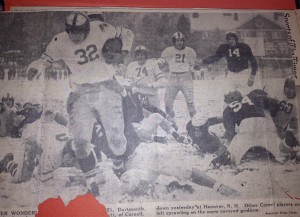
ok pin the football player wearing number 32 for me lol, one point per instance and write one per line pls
(90, 50)
(180, 58)
(238, 56)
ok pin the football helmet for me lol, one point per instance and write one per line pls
(177, 35)
(232, 34)
(199, 120)
(113, 45)
(141, 49)
(77, 22)
(9, 101)
(232, 96)
(112, 50)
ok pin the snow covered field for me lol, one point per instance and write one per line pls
(254, 179)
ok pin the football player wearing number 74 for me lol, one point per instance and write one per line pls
(180, 58)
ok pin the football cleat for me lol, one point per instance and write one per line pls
(174, 185)
(222, 160)
(179, 138)
(93, 189)
(227, 191)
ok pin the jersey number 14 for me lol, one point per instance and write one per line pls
(235, 52)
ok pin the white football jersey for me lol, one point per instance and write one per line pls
(150, 69)
(85, 60)
(179, 60)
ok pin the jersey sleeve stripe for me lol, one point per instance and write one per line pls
(159, 75)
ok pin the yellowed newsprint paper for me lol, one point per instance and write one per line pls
(151, 112)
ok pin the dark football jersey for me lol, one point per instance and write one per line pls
(207, 142)
(238, 57)
(237, 111)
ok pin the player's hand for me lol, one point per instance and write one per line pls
(32, 71)
(163, 65)
(199, 62)
(251, 81)
(134, 89)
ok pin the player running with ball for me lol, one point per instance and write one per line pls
(94, 91)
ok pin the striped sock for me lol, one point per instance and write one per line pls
(12, 168)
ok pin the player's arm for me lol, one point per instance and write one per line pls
(193, 60)
(229, 125)
(213, 121)
(166, 54)
(253, 64)
(161, 66)
(127, 37)
(272, 105)
(220, 53)
(153, 109)
(38, 67)
(252, 61)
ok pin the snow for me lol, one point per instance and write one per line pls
(163, 163)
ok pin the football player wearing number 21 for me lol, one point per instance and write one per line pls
(181, 59)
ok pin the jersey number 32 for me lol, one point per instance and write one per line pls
(86, 55)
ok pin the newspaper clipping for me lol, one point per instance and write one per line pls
(152, 112)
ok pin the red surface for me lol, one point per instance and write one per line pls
(229, 4)
(81, 206)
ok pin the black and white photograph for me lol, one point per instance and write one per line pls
(147, 106)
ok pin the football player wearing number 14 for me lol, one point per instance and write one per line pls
(238, 56)
(180, 58)
(91, 50)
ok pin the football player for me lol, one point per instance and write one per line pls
(238, 55)
(254, 129)
(204, 140)
(143, 171)
(148, 70)
(180, 59)
(16, 136)
(138, 128)
(90, 50)
(49, 151)
(282, 109)
(286, 117)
